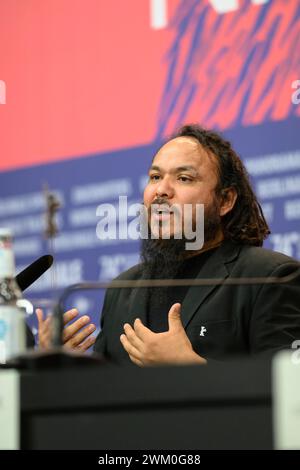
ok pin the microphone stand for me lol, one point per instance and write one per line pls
(125, 284)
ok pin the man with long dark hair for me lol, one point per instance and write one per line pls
(180, 324)
(190, 324)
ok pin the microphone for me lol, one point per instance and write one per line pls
(30, 274)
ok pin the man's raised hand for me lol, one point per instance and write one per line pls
(145, 347)
(76, 336)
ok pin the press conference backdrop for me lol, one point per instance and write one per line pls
(89, 89)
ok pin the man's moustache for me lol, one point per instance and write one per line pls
(162, 205)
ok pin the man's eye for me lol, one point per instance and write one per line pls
(154, 177)
(185, 179)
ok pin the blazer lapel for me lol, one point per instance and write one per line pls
(215, 268)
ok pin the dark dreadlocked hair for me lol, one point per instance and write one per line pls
(245, 223)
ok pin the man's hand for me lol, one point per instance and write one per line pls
(76, 336)
(172, 347)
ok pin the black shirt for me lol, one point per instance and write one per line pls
(161, 299)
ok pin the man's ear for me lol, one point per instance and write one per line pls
(228, 198)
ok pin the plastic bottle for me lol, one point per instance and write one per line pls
(12, 317)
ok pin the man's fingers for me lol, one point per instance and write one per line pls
(72, 329)
(77, 335)
(141, 330)
(40, 315)
(174, 317)
(72, 337)
(45, 340)
(136, 361)
(132, 336)
(70, 315)
(67, 317)
(85, 345)
(44, 336)
(129, 348)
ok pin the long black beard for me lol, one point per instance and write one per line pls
(162, 258)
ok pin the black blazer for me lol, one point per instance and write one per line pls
(221, 321)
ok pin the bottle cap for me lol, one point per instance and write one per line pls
(6, 232)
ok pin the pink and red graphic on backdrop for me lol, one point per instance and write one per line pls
(84, 77)
(231, 69)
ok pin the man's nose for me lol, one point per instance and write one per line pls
(164, 188)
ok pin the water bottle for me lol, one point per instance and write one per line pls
(12, 317)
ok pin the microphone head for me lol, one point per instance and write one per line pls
(30, 274)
